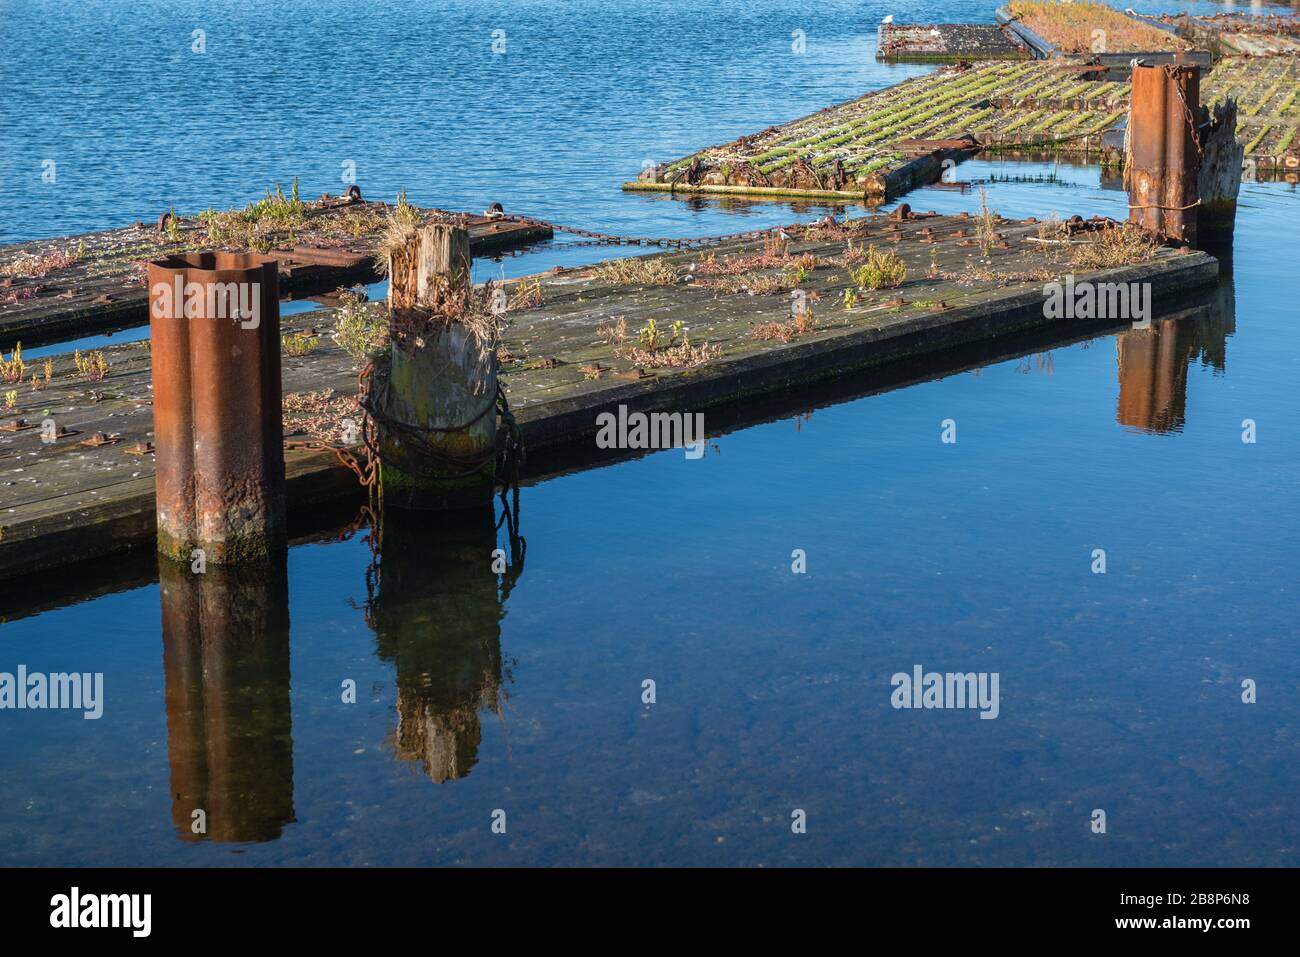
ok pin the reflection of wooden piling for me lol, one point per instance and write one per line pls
(1162, 162)
(226, 662)
(216, 406)
(438, 436)
(437, 618)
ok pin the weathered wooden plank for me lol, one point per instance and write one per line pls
(77, 285)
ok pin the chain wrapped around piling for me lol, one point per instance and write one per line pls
(428, 458)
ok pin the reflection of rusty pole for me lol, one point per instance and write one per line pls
(1153, 378)
(215, 326)
(226, 661)
(1163, 156)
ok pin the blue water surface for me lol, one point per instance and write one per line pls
(522, 693)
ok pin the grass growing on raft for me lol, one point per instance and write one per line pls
(636, 271)
(1119, 245)
(880, 270)
(798, 325)
(361, 328)
(1069, 27)
(296, 344)
(260, 226)
(12, 369)
(92, 367)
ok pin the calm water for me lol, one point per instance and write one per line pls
(522, 692)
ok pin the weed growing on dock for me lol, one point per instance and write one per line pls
(1070, 27)
(11, 400)
(320, 414)
(754, 283)
(678, 356)
(986, 226)
(30, 266)
(40, 385)
(637, 271)
(657, 349)
(297, 344)
(879, 270)
(852, 255)
(775, 254)
(92, 367)
(173, 232)
(361, 329)
(613, 334)
(404, 214)
(527, 296)
(850, 298)
(260, 226)
(11, 369)
(797, 326)
(650, 337)
(1122, 244)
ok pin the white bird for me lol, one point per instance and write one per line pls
(888, 19)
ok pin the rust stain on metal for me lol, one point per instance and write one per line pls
(1164, 153)
(215, 328)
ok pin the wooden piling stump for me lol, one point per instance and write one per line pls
(1219, 178)
(437, 421)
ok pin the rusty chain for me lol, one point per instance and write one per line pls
(1188, 113)
(600, 238)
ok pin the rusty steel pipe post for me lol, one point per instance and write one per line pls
(1163, 153)
(215, 328)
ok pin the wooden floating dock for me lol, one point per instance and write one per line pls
(1053, 30)
(77, 285)
(599, 338)
(948, 42)
(883, 144)
(1230, 34)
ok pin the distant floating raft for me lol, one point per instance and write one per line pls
(1230, 34)
(948, 42)
(874, 148)
(881, 145)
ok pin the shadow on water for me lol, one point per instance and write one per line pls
(437, 599)
(229, 723)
